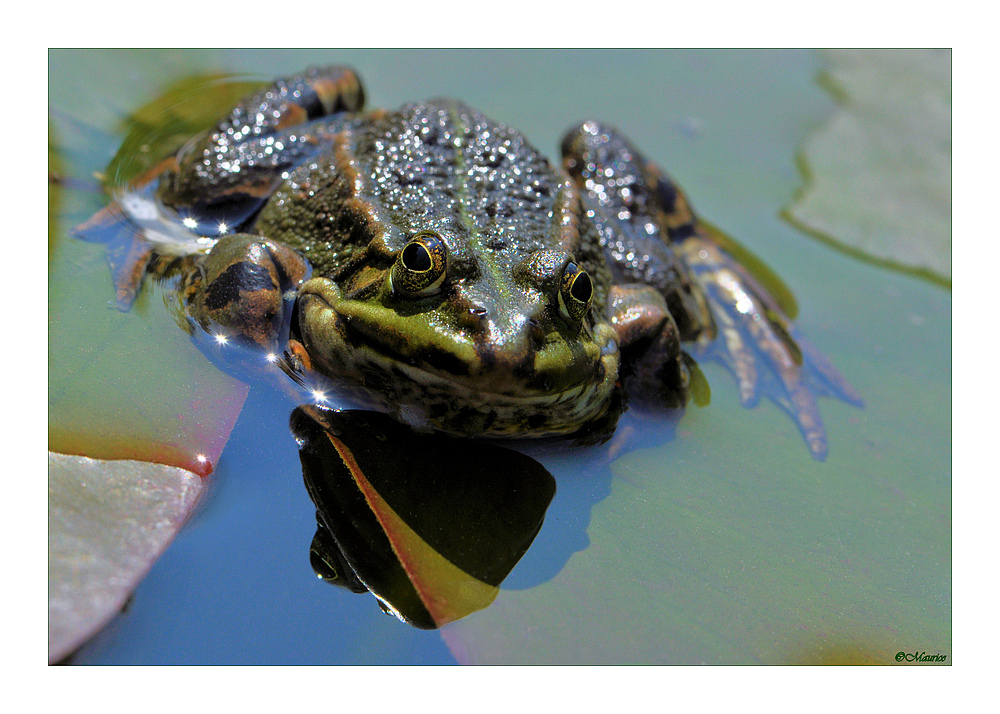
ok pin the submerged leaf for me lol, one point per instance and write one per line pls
(160, 127)
(878, 174)
(129, 385)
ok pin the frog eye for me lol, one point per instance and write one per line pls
(576, 290)
(421, 266)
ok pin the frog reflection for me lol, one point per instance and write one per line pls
(429, 524)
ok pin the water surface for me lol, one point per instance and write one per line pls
(716, 539)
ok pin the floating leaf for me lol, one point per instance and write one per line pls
(126, 385)
(108, 522)
(131, 385)
(878, 174)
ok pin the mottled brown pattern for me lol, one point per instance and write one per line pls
(524, 283)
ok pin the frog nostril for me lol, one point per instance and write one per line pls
(536, 332)
(474, 318)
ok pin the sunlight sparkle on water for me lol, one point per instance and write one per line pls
(318, 396)
(744, 303)
(189, 222)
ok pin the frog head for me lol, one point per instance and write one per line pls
(463, 338)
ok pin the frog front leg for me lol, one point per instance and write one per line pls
(220, 178)
(243, 292)
(653, 368)
(651, 234)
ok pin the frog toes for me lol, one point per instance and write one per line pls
(759, 345)
(740, 360)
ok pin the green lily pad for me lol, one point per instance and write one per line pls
(122, 385)
(878, 173)
(747, 566)
(129, 385)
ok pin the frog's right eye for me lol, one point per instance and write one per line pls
(576, 292)
(421, 266)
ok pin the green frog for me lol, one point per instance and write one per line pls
(436, 266)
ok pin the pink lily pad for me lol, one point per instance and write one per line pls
(108, 523)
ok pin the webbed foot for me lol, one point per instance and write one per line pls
(759, 344)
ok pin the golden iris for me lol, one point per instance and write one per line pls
(421, 265)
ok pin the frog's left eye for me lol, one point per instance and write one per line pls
(576, 291)
(421, 266)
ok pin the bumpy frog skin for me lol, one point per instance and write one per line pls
(436, 264)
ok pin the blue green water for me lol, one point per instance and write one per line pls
(716, 540)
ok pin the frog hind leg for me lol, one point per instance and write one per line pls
(726, 313)
(242, 293)
(612, 179)
(219, 179)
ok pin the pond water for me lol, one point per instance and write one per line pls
(715, 538)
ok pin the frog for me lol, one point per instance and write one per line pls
(437, 267)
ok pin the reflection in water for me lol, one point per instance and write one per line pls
(430, 525)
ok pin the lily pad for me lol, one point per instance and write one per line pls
(878, 173)
(108, 523)
(161, 126)
(712, 539)
(159, 399)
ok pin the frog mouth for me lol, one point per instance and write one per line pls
(368, 342)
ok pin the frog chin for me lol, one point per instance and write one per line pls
(429, 401)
